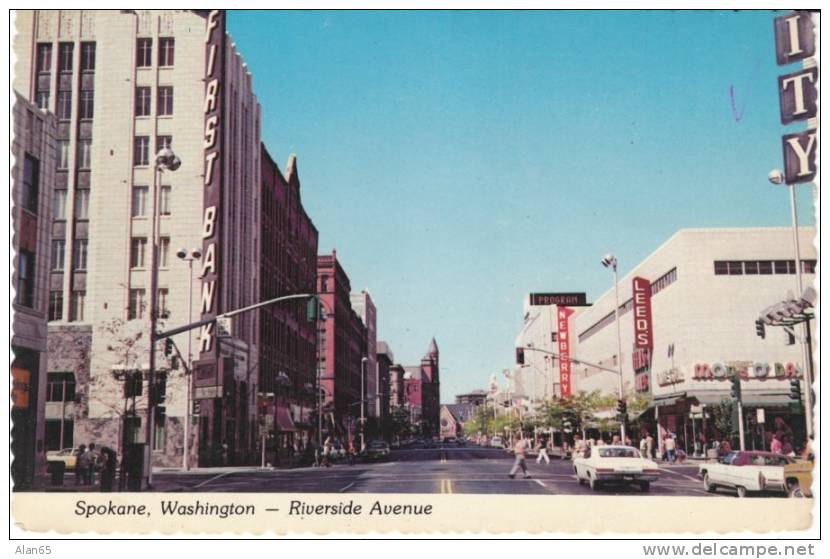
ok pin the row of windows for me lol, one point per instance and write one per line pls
(81, 204)
(139, 252)
(66, 52)
(60, 387)
(86, 104)
(164, 101)
(141, 200)
(76, 305)
(84, 159)
(144, 52)
(761, 267)
(138, 308)
(141, 148)
(79, 254)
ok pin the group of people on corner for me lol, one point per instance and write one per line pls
(91, 463)
(324, 457)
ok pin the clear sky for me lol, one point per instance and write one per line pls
(460, 160)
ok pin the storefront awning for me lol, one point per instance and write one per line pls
(766, 399)
(714, 397)
(667, 399)
(284, 421)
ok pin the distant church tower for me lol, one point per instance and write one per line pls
(431, 390)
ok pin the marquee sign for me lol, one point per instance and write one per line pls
(561, 299)
(213, 109)
(745, 370)
(562, 316)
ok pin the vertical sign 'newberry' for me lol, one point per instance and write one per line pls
(564, 344)
(643, 337)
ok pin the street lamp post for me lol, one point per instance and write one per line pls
(610, 261)
(777, 177)
(363, 362)
(166, 160)
(188, 257)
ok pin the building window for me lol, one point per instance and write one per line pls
(784, 266)
(163, 294)
(164, 252)
(166, 51)
(64, 108)
(58, 254)
(42, 100)
(79, 254)
(138, 251)
(55, 305)
(164, 200)
(141, 151)
(84, 154)
(735, 268)
(144, 53)
(165, 101)
(808, 266)
(31, 183)
(58, 434)
(44, 57)
(137, 304)
(82, 204)
(59, 205)
(76, 307)
(25, 278)
(765, 267)
(140, 201)
(65, 52)
(63, 154)
(86, 104)
(142, 101)
(720, 268)
(60, 387)
(751, 267)
(87, 57)
(163, 142)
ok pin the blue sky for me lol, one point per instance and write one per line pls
(460, 160)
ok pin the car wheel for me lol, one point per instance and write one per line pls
(708, 485)
(593, 483)
(645, 486)
(742, 493)
(795, 491)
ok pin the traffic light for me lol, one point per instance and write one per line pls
(795, 389)
(622, 407)
(169, 348)
(311, 309)
(760, 329)
(735, 391)
(520, 356)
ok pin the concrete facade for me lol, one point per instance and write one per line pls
(145, 89)
(365, 308)
(32, 179)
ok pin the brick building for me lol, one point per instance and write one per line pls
(287, 345)
(422, 392)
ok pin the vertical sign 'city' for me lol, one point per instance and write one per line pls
(213, 171)
(562, 316)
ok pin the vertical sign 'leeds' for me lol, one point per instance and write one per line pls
(643, 337)
(795, 41)
(211, 226)
(564, 344)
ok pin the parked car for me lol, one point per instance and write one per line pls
(798, 477)
(67, 455)
(745, 472)
(615, 464)
(377, 450)
(496, 442)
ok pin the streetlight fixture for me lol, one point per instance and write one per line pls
(776, 176)
(188, 257)
(166, 160)
(610, 261)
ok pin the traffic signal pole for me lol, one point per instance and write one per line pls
(741, 425)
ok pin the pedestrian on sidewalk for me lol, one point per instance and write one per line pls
(81, 465)
(542, 451)
(670, 445)
(92, 463)
(520, 452)
(351, 453)
(776, 446)
(650, 447)
(328, 447)
(107, 464)
(643, 448)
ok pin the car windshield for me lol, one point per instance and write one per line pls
(617, 453)
(767, 460)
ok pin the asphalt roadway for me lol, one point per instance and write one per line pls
(446, 469)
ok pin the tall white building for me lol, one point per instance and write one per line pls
(365, 308)
(708, 286)
(124, 84)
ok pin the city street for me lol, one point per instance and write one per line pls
(471, 470)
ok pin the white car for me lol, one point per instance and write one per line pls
(615, 464)
(745, 472)
(496, 442)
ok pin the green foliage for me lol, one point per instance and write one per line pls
(722, 415)
(400, 424)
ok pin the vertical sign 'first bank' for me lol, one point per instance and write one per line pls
(213, 178)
